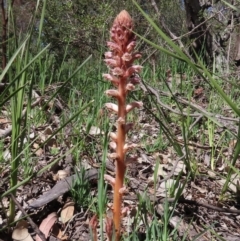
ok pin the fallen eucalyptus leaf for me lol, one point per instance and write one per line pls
(67, 212)
(47, 224)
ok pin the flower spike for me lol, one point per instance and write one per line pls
(124, 76)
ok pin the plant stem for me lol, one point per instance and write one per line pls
(120, 165)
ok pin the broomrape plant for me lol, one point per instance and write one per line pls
(122, 74)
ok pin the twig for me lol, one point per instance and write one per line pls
(34, 226)
(200, 109)
(148, 88)
(84, 216)
(218, 119)
(209, 206)
(195, 122)
(154, 92)
(173, 36)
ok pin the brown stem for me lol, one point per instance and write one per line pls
(117, 200)
(120, 161)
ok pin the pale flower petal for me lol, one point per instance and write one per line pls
(123, 19)
(135, 104)
(127, 57)
(114, 46)
(111, 78)
(113, 145)
(120, 120)
(123, 190)
(111, 63)
(136, 55)
(110, 180)
(130, 146)
(125, 211)
(108, 55)
(113, 93)
(131, 46)
(133, 69)
(113, 155)
(113, 136)
(117, 71)
(109, 228)
(130, 86)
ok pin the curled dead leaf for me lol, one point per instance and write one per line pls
(47, 224)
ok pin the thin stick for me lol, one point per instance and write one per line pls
(34, 226)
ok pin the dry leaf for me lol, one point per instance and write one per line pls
(4, 122)
(198, 91)
(211, 174)
(5, 202)
(48, 131)
(232, 144)
(165, 158)
(35, 145)
(46, 134)
(94, 131)
(39, 152)
(7, 155)
(162, 170)
(207, 159)
(46, 225)
(32, 135)
(166, 188)
(181, 167)
(183, 228)
(20, 233)
(201, 190)
(165, 169)
(22, 224)
(57, 232)
(67, 212)
(61, 174)
(233, 184)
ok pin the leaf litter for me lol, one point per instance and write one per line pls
(50, 191)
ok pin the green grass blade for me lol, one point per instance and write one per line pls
(9, 64)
